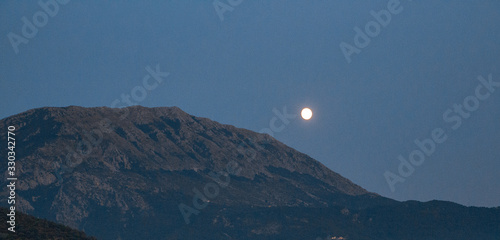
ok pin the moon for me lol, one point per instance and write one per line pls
(306, 113)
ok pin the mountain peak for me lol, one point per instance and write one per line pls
(113, 156)
(124, 172)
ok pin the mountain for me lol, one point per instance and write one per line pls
(160, 173)
(29, 227)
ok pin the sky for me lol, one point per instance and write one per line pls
(238, 62)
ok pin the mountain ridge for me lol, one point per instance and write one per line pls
(29, 227)
(141, 115)
(116, 173)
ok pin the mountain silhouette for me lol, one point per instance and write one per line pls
(35, 228)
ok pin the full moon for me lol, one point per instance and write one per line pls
(306, 113)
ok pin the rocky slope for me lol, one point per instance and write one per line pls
(161, 173)
(29, 228)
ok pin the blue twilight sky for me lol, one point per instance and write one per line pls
(274, 54)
